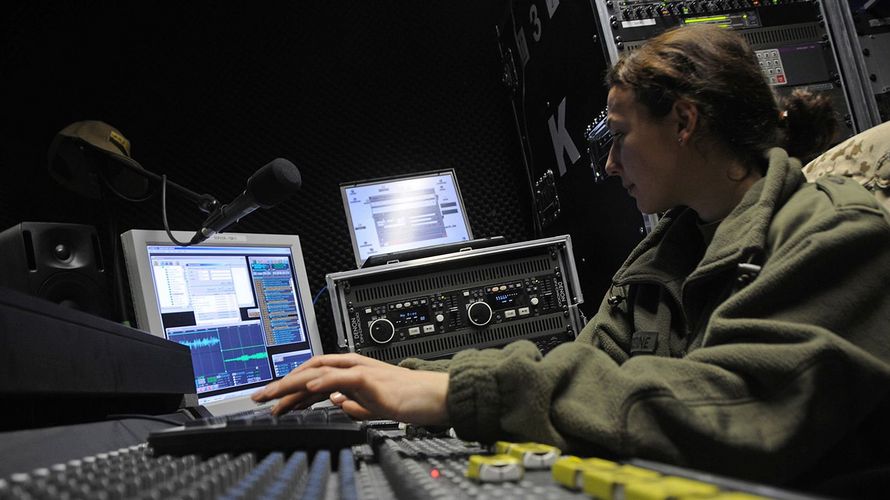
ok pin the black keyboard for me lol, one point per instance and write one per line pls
(260, 431)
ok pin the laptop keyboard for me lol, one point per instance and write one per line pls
(259, 430)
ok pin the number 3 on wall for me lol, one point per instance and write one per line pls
(535, 21)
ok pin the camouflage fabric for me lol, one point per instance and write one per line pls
(865, 157)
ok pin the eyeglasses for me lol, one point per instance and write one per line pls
(599, 142)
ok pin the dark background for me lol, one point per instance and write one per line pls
(207, 93)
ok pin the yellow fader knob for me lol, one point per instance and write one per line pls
(535, 455)
(611, 483)
(668, 488)
(503, 447)
(567, 470)
(494, 468)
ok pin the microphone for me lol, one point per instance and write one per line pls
(267, 187)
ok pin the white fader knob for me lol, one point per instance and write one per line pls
(382, 330)
(479, 313)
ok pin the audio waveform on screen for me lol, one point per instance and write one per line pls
(225, 356)
(246, 357)
(200, 342)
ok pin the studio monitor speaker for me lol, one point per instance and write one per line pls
(58, 262)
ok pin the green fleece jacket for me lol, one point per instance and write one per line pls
(763, 355)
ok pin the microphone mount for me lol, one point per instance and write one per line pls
(205, 202)
(85, 150)
(88, 149)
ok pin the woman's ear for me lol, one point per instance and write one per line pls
(687, 119)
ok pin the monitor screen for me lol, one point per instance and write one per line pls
(407, 212)
(240, 302)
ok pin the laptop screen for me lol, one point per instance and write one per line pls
(240, 302)
(402, 213)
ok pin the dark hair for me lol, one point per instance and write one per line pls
(718, 71)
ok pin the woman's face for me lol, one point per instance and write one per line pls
(645, 152)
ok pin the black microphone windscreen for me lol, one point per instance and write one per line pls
(274, 182)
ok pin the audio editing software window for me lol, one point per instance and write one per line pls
(408, 217)
(404, 213)
(236, 309)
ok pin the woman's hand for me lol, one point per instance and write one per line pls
(365, 388)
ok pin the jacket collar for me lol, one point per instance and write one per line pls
(673, 250)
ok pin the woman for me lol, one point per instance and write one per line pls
(746, 335)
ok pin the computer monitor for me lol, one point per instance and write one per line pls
(240, 302)
(406, 212)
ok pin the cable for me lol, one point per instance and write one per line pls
(164, 212)
(121, 416)
(119, 300)
(318, 295)
(119, 271)
(521, 115)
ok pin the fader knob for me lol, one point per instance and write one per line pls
(479, 313)
(382, 330)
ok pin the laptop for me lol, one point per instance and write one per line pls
(391, 218)
(240, 302)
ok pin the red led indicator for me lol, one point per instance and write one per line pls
(434, 473)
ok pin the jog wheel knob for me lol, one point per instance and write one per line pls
(382, 330)
(479, 313)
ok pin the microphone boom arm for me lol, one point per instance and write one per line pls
(205, 202)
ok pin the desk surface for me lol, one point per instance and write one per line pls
(23, 451)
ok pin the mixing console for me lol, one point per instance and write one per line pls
(393, 463)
